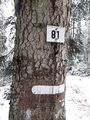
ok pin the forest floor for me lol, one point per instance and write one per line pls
(77, 98)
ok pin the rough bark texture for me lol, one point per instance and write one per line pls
(37, 62)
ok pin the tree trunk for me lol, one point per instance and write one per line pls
(37, 62)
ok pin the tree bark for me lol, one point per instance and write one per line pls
(37, 62)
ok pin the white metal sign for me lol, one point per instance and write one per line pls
(55, 34)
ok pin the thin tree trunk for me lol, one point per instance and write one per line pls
(88, 39)
(37, 62)
(73, 28)
(79, 27)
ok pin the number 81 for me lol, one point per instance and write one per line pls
(55, 34)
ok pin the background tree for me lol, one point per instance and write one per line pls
(37, 62)
(8, 31)
(87, 50)
(77, 37)
(78, 13)
(2, 32)
(2, 37)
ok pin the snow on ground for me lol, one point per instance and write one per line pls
(77, 99)
(4, 103)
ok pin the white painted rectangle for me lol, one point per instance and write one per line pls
(42, 89)
(55, 34)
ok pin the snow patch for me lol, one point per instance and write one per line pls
(4, 104)
(78, 98)
(28, 114)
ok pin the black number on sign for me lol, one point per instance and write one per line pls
(53, 35)
(57, 34)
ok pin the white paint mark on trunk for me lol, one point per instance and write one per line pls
(42, 89)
